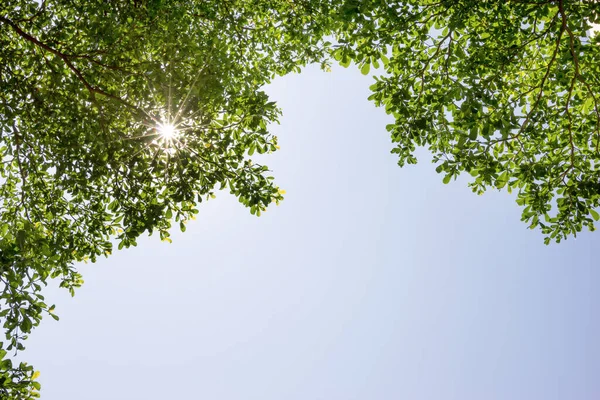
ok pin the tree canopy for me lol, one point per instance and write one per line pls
(119, 118)
(508, 91)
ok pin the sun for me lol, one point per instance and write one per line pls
(167, 131)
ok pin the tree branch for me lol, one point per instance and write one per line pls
(548, 69)
(565, 27)
(66, 58)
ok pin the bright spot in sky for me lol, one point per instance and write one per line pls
(167, 131)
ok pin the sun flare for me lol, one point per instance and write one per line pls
(167, 131)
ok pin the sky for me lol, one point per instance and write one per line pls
(369, 281)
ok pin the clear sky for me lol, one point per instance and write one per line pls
(368, 282)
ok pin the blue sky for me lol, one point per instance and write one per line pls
(368, 282)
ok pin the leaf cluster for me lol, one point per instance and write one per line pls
(507, 91)
(86, 86)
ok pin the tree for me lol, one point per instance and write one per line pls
(507, 91)
(118, 118)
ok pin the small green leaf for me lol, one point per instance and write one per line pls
(6, 364)
(365, 68)
(587, 104)
(595, 215)
(26, 325)
(473, 133)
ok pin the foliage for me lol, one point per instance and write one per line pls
(86, 88)
(119, 117)
(508, 91)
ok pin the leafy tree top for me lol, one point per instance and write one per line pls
(118, 118)
(508, 91)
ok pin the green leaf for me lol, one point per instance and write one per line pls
(366, 67)
(345, 61)
(6, 364)
(26, 325)
(587, 104)
(473, 133)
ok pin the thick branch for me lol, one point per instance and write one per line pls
(66, 58)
